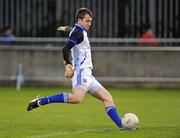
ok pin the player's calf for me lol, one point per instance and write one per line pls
(40, 101)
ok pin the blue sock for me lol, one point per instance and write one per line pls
(112, 112)
(58, 98)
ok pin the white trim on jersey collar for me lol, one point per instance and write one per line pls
(77, 24)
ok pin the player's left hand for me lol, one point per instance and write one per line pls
(69, 71)
(63, 28)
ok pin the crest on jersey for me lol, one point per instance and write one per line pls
(85, 80)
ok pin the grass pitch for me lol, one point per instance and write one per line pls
(158, 111)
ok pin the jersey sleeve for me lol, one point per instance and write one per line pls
(75, 38)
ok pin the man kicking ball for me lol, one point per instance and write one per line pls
(80, 71)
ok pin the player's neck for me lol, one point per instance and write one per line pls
(79, 25)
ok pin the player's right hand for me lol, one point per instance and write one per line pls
(69, 71)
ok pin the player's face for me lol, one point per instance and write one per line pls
(86, 21)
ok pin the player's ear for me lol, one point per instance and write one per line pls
(79, 20)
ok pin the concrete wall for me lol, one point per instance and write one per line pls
(119, 66)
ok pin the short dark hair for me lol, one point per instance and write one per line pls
(81, 12)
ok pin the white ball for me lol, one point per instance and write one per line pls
(130, 121)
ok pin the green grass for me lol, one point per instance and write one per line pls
(158, 111)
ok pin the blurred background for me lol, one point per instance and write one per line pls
(135, 43)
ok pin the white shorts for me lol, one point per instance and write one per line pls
(84, 79)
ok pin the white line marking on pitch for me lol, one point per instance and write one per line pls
(67, 133)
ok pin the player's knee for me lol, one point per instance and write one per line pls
(108, 98)
(76, 100)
